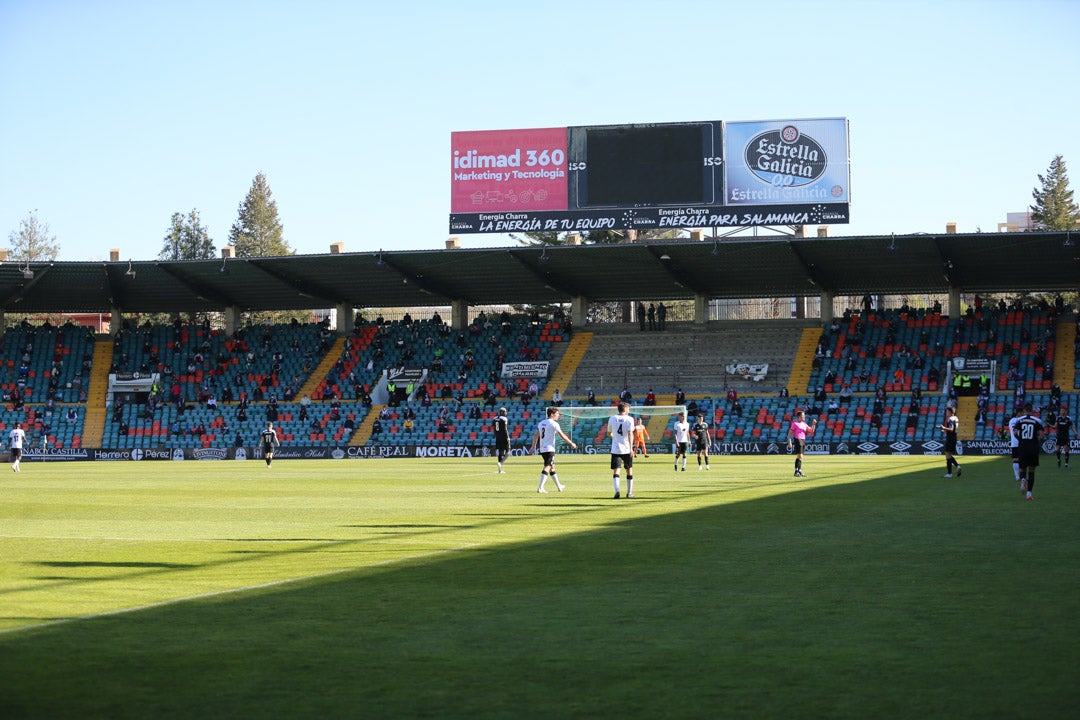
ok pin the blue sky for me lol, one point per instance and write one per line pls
(115, 115)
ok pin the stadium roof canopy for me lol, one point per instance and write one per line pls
(732, 267)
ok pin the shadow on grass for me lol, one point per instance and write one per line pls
(899, 597)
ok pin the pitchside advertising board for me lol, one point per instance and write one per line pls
(369, 452)
(644, 177)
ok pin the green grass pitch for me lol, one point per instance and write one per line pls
(438, 589)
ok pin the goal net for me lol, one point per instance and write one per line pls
(587, 424)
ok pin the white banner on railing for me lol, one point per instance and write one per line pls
(536, 369)
(750, 371)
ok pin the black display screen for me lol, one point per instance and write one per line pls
(646, 165)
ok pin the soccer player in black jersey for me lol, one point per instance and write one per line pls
(501, 429)
(700, 432)
(1065, 431)
(269, 440)
(1028, 430)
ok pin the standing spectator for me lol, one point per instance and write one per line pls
(641, 314)
(661, 316)
(652, 316)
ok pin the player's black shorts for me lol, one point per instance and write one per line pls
(797, 445)
(1015, 453)
(549, 458)
(681, 448)
(16, 453)
(268, 449)
(1062, 444)
(950, 444)
(1029, 458)
(627, 461)
(701, 446)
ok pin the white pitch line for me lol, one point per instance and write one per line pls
(231, 591)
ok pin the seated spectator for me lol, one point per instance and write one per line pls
(846, 393)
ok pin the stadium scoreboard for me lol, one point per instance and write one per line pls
(638, 177)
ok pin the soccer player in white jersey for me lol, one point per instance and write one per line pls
(544, 440)
(1014, 447)
(621, 430)
(16, 438)
(682, 441)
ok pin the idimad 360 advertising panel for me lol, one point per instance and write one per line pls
(666, 175)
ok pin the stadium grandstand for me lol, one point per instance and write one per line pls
(873, 336)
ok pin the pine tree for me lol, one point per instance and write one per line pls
(257, 231)
(1054, 208)
(32, 242)
(187, 239)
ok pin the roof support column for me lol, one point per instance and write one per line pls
(954, 308)
(579, 311)
(116, 321)
(701, 309)
(344, 319)
(459, 315)
(232, 320)
(826, 307)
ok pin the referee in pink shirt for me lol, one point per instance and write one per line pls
(796, 438)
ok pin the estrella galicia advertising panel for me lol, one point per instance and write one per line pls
(649, 176)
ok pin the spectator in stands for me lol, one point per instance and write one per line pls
(652, 316)
(650, 398)
(590, 397)
(556, 398)
(408, 425)
(72, 415)
(641, 314)
(661, 316)
(846, 393)
(783, 393)
(238, 441)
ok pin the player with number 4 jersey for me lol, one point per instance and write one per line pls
(621, 431)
